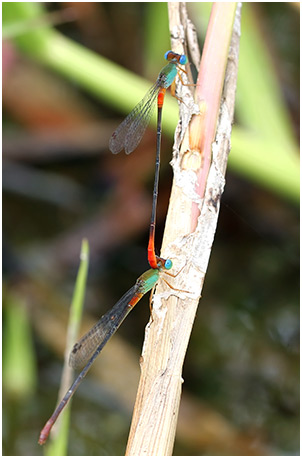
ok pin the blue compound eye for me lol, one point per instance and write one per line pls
(168, 264)
(183, 59)
(167, 54)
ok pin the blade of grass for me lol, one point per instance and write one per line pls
(59, 442)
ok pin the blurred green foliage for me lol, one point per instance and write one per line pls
(243, 355)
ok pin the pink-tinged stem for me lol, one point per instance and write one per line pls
(209, 89)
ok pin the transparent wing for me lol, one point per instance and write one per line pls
(130, 132)
(102, 330)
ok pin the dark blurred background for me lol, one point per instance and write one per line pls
(61, 184)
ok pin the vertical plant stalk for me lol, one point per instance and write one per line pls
(202, 144)
(58, 445)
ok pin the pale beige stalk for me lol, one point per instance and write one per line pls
(189, 232)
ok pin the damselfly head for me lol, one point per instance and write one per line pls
(163, 263)
(177, 58)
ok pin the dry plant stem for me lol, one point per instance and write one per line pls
(183, 31)
(155, 414)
